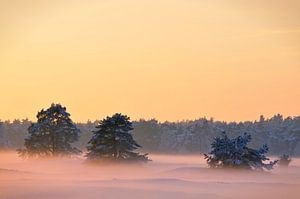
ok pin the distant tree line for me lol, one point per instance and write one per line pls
(282, 135)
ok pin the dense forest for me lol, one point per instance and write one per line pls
(282, 135)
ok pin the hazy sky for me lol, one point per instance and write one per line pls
(168, 59)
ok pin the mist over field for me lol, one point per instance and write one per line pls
(166, 177)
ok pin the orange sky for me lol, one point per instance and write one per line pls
(164, 59)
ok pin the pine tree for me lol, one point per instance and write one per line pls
(112, 141)
(52, 134)
(234, 153)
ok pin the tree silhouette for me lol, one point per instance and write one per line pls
(112, 141)
(52, 134)
(234, 153)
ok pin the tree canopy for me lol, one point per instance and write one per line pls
(234, 153)
(52, 134)
(113, 141)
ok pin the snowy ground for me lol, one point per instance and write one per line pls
(167, 177)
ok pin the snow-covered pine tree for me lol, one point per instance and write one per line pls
(52, 134)
(112, 141)
(284, 160)
(234, 153)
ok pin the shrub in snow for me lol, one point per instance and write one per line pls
(234, 153)
(52, 134)
(112, 141)
(284, 160)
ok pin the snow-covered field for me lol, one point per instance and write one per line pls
(166, 177)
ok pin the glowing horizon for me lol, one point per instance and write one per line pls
(232, 60)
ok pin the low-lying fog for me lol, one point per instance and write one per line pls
(166, 177)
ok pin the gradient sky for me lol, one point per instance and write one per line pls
(164, 59)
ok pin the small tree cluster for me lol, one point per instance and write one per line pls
(284, 160)
(112, 141)
(52, 134)
(234, 153)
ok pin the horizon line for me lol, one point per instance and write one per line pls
(169, 121)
